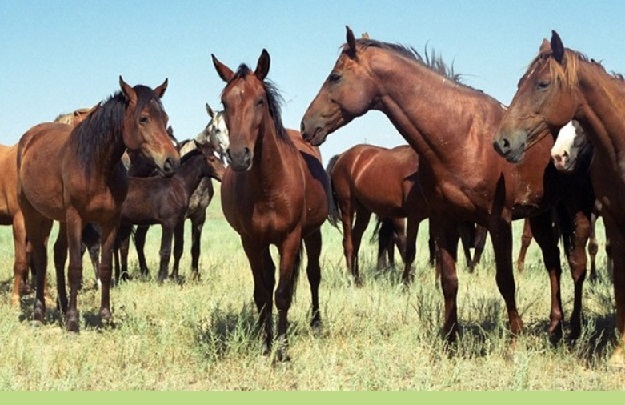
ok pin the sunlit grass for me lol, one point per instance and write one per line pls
(202, 335)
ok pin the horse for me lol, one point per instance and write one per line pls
(81, 180)
(562, 84)
(91, 240)
(368, 179)
(165, 201)
(274, 192)
(450, 126)
(217, 134)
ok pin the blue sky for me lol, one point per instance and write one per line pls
(61, 55)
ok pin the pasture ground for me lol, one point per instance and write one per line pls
(201, 335)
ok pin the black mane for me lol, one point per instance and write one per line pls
(102, 129)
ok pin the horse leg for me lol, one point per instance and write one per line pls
(526, 240)
(139, 238)
(60, 258)
(196, 240)
(593, 247)
(480, 241)
(109, 232)
(347, 217)
(400, 239)
(20, 260)
(446, 237)
(466, 231)
(263, 271)
(547, 239)
(313, 243)
(122, 245)
(616, 234)
(94, 255)
(501, 239)
(167, 233)
(410, 252)
(360, 226)
(384, 241)
(577, 259)
(290, 258)
(432, 248)
(37, 230)
(178, 248)
(73, 235)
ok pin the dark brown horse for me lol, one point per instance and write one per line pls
(75, 176)
(450, 126)
(164, 201)
(368, 179)
(275, 191)
(562, 84)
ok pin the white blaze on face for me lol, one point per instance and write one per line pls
(567, 147)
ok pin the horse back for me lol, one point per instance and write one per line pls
(382, 180)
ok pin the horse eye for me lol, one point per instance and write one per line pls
(334, 77)
(143, 120)
(260, 102)
(543, 84)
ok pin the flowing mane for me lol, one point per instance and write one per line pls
(274, 101)
(432, 60)
(106, 123)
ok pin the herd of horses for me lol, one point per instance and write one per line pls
(471, 167)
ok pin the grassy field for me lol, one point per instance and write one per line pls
(201, 335)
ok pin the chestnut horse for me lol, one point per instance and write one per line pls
(275, 191)
(368, 179)
(75, 176)
(10, 212)
(562, 84)
(165, 201)
(450, 126)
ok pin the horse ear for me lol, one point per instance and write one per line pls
(128, 92)
(351, 42)
(262, 67)
(160, 90)
(210, 111)
(223, 71)
(557, 47)
(545, 47)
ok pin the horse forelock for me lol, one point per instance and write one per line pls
(274, 99)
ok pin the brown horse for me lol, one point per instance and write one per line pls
(450, 126)
(10, 212)
(165, 201)
(275, 191)
(368, 179)
(562, 84)
(75, 176)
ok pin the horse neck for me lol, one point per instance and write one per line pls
(434, 114)
(269, 166)
(191, 173)
(600, 111)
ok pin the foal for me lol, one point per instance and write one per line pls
(162, 200)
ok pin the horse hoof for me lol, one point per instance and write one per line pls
(105, 316)
(266, 349)
(315, 324)
(617, 359)
(35, 323)
(282, 356)
(71, 324)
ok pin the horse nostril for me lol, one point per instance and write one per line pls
(169, 166)
(302, 129)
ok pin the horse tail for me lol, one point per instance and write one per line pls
(383, 231)
(334, 211)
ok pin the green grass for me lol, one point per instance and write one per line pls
(202, 335)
